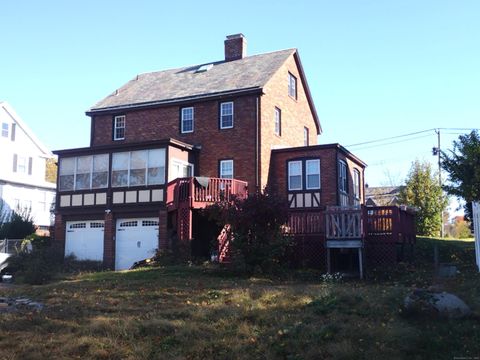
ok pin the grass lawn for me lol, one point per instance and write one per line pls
(201, 312)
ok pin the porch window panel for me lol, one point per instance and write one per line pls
(313, 174)
(100, 171)
(138, 168)
(120, 163)
(156, 167)
(295, 175)
(67, 174)
(226, 169)
(83, 173)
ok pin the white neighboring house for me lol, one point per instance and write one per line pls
(22, 169)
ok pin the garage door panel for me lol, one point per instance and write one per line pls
(136, 239)
(84, 239)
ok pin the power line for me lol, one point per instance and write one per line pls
(393, 142)
(410, 134)
(390, 138)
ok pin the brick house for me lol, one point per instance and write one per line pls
(170, 142)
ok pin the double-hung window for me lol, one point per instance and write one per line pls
(292, 86)
(342, 176)
(226, 169)
(278, 122)
(295, 175)
(226, 115)
(119, 127)
(312, 169)
(187, 120)
(5, 130)
(356, 184)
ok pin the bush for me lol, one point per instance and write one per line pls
(256, 225)
(37, 266)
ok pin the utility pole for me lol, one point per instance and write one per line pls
(437, 151)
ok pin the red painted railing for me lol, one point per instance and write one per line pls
(193, 191)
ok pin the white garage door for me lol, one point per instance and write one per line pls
(84, 239)
(137, 239)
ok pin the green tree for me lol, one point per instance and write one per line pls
(423, 192)
(463, 167)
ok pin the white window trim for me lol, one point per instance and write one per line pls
(221, 115)
(301, 175)
(75, 173)
(221, 168)
(193, 120)
(307, 173)
(175, 161)
(116, 127)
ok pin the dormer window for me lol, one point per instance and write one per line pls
(292, 86)
(187, 120)
(119, 128)
(226, 115)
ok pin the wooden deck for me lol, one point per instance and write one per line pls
(199, 192)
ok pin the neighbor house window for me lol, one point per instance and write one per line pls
(294, 175)
(137, 168)
(5, 130)
(306, 137)
(187, 120)
(119, 128)
(226, 115)
(342, 176)
(278, 121)
(83, 172)
(292, 86)
(226, 169)
(312, 168)
(356, 184)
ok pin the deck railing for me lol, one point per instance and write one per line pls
(199, 191)
(344, 223)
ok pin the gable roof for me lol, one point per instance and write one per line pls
(382, 195)
(5, 106)
(248, 74)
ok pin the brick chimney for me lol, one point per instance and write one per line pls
(235, 47)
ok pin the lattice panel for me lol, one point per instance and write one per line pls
(380, 254)
(310, 251)
(184, 217)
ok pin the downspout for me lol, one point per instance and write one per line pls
(257, 143)
(337, 179)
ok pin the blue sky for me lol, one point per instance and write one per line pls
(376, 69)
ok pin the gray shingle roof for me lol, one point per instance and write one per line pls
(183, 83)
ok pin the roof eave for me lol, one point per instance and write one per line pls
(307, 92)
(211, 96)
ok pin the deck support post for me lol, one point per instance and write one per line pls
(329, 263)
(360, 262)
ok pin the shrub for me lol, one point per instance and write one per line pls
(37, 266)
(256, 224)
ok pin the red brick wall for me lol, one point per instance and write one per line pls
(237, 143)
(296, 114)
